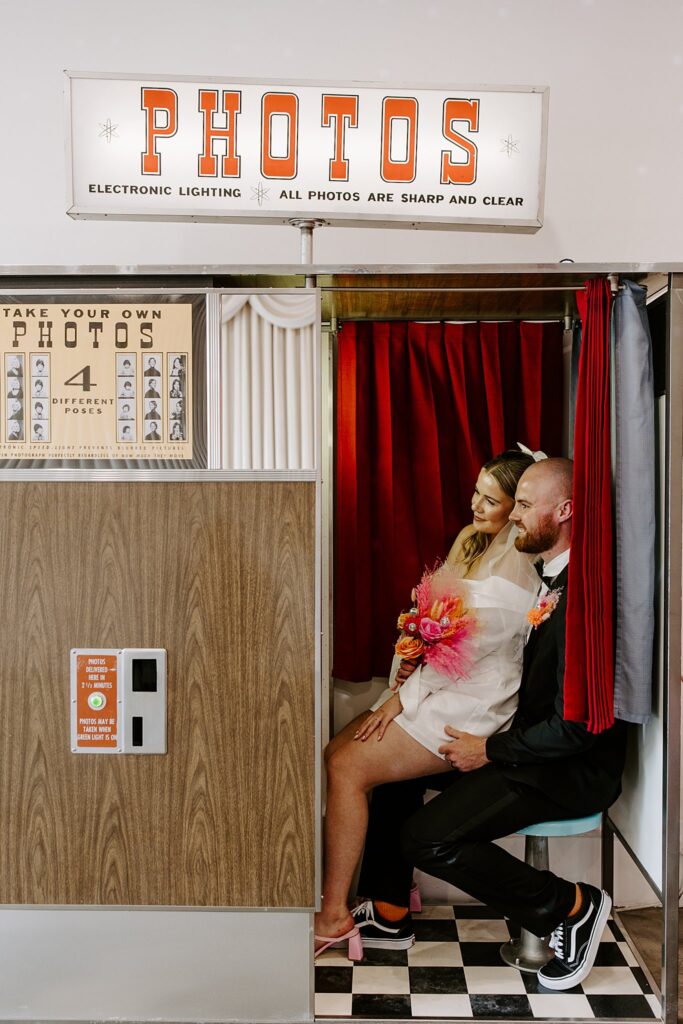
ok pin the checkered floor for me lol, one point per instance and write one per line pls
(454, 970)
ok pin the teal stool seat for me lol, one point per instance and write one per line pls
(570, 827)
(530, 952)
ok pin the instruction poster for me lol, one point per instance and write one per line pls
(94, 688)
(96, 380)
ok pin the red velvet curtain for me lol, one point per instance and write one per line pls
(420, 408)
(589, 667)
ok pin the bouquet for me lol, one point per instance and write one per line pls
(439, 628)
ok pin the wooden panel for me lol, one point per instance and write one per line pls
(222, 576)
(477, 296)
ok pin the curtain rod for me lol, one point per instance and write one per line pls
(385, 288)
(362, 317)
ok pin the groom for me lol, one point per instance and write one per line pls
(543, 768)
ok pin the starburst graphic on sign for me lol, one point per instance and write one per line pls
(259, 193)
(108, 130)
(509, 146)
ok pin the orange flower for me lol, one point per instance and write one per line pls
(409, 647)
(402, 620)
(536, 617)
(545, 608)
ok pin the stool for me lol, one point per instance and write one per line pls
(529, 952)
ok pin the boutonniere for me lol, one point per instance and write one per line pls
(545, 607)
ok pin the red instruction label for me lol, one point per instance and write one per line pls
(96, 701)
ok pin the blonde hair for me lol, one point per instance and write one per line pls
(506, 469)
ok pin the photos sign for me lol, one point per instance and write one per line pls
(252, 150)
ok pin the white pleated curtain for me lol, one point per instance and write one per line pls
(268, 381)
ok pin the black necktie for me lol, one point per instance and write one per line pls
(548, 580)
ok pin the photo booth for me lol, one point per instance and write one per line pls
(222, 555)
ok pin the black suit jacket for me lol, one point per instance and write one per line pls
(578, 769)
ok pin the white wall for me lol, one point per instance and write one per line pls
(614, 68)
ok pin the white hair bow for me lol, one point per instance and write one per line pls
(536, 456)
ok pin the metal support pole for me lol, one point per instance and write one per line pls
(607, 856)
(306, 228)
(529, 953)
(672, 654)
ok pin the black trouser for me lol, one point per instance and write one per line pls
(452, 836)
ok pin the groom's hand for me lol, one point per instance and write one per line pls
(465, 751)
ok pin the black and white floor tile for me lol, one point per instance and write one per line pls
(454, 970)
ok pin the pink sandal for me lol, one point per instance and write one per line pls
(355, 951)
(415, 899)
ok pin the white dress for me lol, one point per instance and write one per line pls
(501, 592)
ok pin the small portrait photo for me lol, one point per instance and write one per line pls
(125, 431)
(152, 431)
(39, 389)
(14, 388)
(125, 410)
(177, 432)
(39, 432)
(176, 388)
(151, 364)
(15, 430)
(152, 388)
(14, 366)
(15, 409)
(38, 410)
(126, 389)
(125, 365)
(152, 409)
(178, 409)
(40, 366)
(177, 364)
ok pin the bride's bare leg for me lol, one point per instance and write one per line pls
(345, 735)
(353, 769)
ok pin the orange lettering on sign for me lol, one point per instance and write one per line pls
(287, 104)
(396, 109)
(208, 105)
(156, 101)
(459, 173)
(341, 112)
(96, 726)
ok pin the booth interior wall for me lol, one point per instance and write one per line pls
(221, 575)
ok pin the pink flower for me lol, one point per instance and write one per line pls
(430, 631)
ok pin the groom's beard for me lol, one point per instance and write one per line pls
(542, 538)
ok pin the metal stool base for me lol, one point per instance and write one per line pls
(528, 953)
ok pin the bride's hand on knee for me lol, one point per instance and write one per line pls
(378, 720)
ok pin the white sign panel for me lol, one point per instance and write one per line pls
(274, 152)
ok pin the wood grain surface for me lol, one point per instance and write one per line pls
(222, 576)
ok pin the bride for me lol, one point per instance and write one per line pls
(400, 738)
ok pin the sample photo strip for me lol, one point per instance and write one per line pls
(177, 404)
(40, 397)
(152, 430)
(125, 376)
(126, 423)
(152, 365)
(40, 365)
(153, 402)
(125, 432)
(15, 398)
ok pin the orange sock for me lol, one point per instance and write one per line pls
(389, 911)
(577, 902)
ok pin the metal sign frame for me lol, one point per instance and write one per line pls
(303, 212)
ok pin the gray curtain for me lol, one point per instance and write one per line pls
(634, 489)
